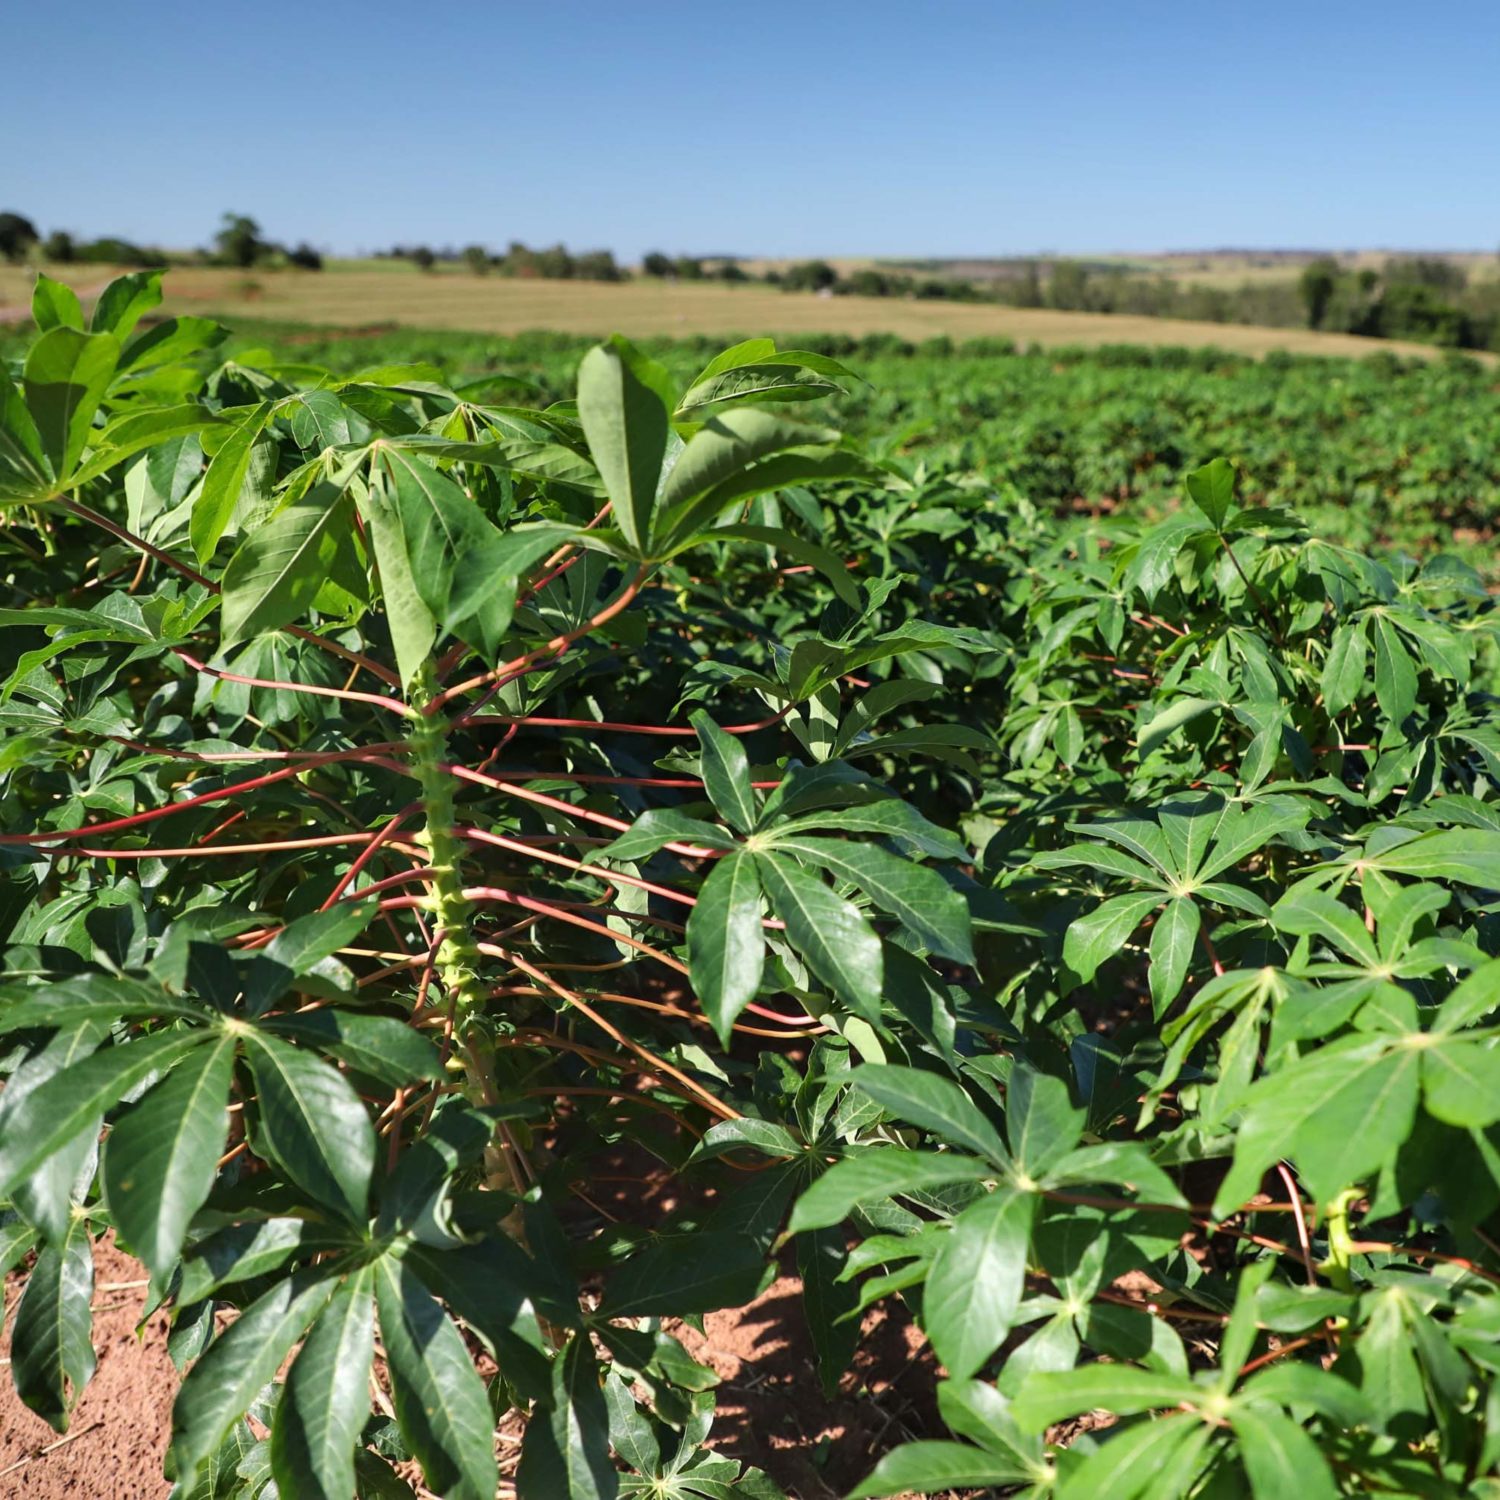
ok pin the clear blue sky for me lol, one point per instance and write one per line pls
(784, 127)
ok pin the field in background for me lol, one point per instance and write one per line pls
(362, 294)
(1223, 269)
(1369, 451)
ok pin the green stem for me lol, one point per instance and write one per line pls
(1340, 1241)
(456, 961)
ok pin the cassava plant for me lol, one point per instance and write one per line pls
(422, 813)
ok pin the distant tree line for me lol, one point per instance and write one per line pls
(238, 242)
(20, 238)
(1420, 299)
(555, 262)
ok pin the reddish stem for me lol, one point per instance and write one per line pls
(690, 783)
(281, 846)
(136, 819)
(378, 699)
(614, 727)
(367, 854)
(555, 647)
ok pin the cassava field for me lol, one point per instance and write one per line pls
(513, 848)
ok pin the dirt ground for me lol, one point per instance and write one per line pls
(771, 1410)
(115, 1442)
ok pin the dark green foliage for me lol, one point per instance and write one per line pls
(1074, 922)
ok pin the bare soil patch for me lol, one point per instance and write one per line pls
(772, 1412)
(115, 1443)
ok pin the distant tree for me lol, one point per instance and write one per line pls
(554, 263)
(688, 268)
(59, 248)
(1068, 286)
(654, 263)
(1415, 310)
(1422, 270)
(868, 282)
(421, 257)
(112, 251)
(17, 236)
(1028, 290)
(809, 276)
(1318, 283)
(731, 271)
(238, 241)
(597, 265)
(477, 259)
(518, 260)
(304, 257)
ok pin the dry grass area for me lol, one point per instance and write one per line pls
(453, 299)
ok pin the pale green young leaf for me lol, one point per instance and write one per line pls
(1308, 911)
(1461, 1082)
(1172, 718)
(897, 821)
(278, 570)
(976, 1280)
(1395, 672)
(625, 423)
(932, 1466)
(1048, 1397)
(1469, 856)
(411, 623)
(726, 444)
(1473, 1000)
(658, 828)
(54, 305)
(1100, 934)
(1211, 489)
(1344, 667)
(125, 301)
(1159, 1459)
(65, 377)
(223, 481)
(976, 1410)
(1338, 1114)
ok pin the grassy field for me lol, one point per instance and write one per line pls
(375, 293)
